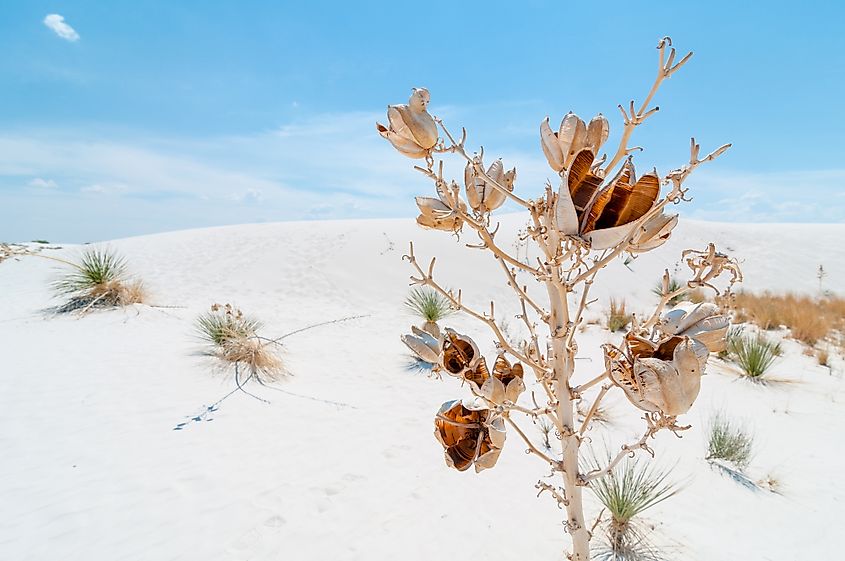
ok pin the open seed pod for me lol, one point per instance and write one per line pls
(423, 344)
(506, 382)
(703, 322)
(664, 377)
(605, 215)
(470, 433)
(411, 130)
(459, 354)
(442, 213)
(482, 195)
(653, 233)
(573, 136)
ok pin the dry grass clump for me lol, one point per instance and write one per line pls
(697, 296)
(12, 250)
(618, 317)
(823, 356)
(98, 280)
(808, 319)
(234, 339)
(631, 488)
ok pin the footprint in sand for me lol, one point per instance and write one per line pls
(257, 540)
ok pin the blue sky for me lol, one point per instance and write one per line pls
(122, 118)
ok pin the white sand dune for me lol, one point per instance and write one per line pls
(342, 463)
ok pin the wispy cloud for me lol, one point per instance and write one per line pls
(322, 166)
(794, 196)
(41, 183)
(57, 23)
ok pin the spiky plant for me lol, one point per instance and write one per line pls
(98, 279)
(729, 442)
(618, 317)
(225, 323)
(755, 355)
(629, 489)
(428, 304)
(233, 338)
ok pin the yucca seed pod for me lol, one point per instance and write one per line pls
(470, 433)
(597, 132)
(411, 130)
(551, 147)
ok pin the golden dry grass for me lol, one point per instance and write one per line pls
(808, 319)
(618, 317)
(254, 355)
(823, 356)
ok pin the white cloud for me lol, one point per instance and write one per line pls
(41, 183)
(60, 28)
(104, 189)
(323, 166)
(249, 196)
(787, 196)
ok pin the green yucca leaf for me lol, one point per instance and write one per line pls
(428, 304)
(729, 441)
(631, 487)
(755, 355)
(96, 268)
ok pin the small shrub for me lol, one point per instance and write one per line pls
(617, 317)
(755, 355)
(40, 241)
(99, 279)
(823, 356)
(729, 442)
(233, 338)
(631, 488)
(429, 305)
(225, 323)
(771, 483)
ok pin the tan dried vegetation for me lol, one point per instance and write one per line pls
(808, 319)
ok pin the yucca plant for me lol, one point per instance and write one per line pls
(729, 442)
(98, 279)
(594, 211)
(755, 355)
(618, 317)
(428, 304)
(631, 488)
(224, 323)
(233, 338)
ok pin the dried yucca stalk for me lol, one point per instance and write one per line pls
(600, 212)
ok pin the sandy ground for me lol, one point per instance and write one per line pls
(342, 463)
